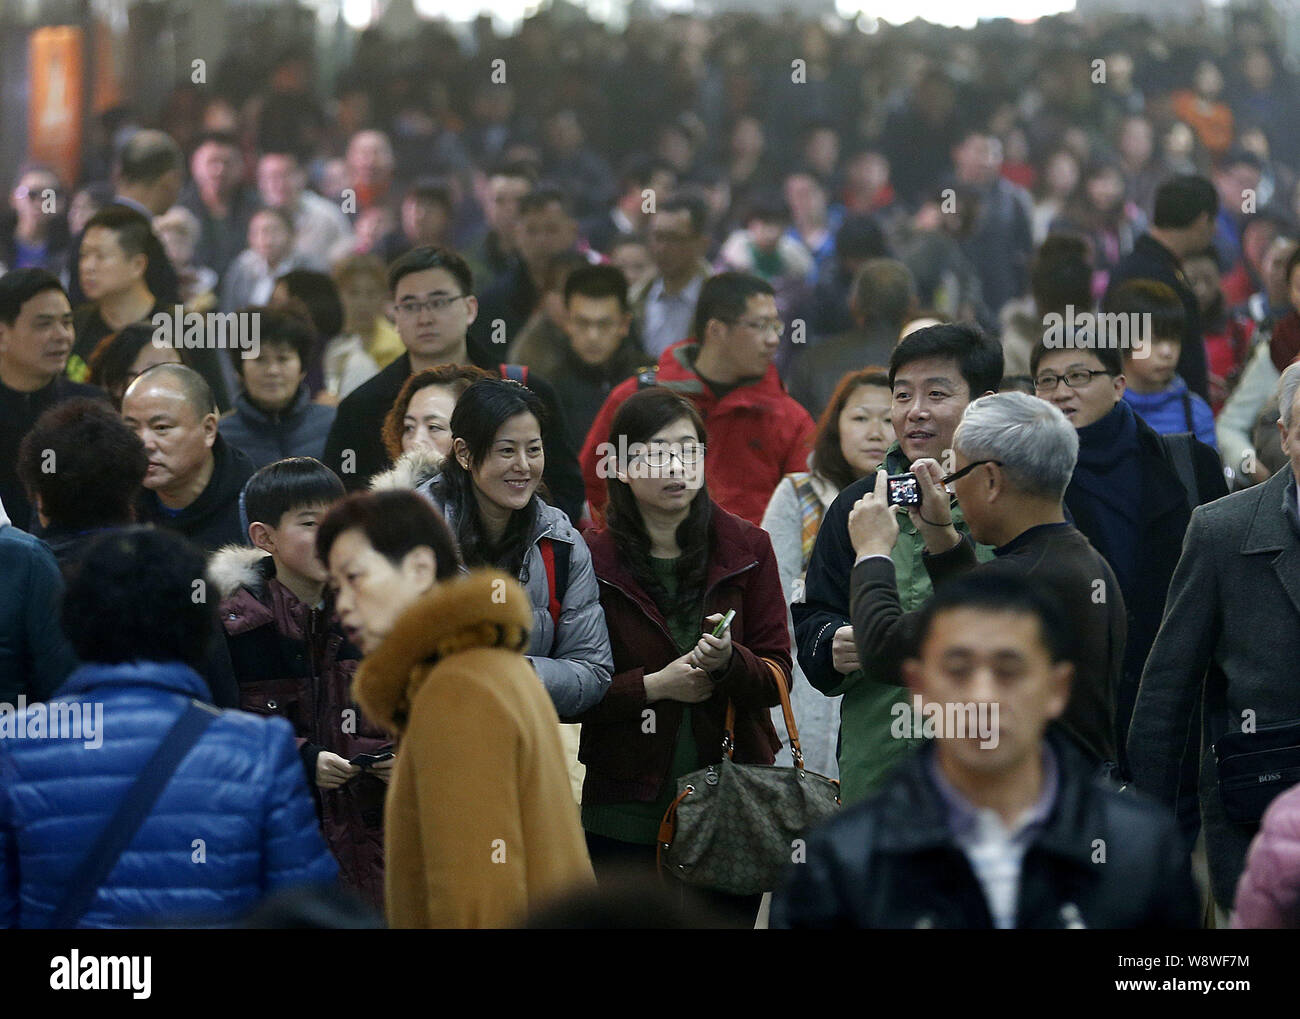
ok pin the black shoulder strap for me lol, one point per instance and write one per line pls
(515, 373)
(1179, 448)
(122, 827)
(1187, 411)
(562, 550)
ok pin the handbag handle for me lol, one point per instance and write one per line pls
(729, 725)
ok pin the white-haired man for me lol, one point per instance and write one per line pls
(1226, 653)
(1014, 456)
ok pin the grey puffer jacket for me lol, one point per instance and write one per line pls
(575, 665)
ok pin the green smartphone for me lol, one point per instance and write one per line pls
(725, 624)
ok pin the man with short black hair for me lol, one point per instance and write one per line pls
(194, 476)
(1184, 223)
(434, 306)
(148, 176)
(36, 337)
(113, 268)
(935, 372)
(992, 825)
(757, 432)
(679, 238)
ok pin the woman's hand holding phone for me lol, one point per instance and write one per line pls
(713, 654)
(332, 770)
(679, 680)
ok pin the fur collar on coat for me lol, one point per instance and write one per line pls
(483, 608)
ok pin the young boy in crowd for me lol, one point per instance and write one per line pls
(1156, 319)
(291, 658)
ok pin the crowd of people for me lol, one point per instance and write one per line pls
(413, 502)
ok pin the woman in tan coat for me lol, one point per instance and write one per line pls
(480, 826)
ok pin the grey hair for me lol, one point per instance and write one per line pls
(1286, 389)
(1036, 443)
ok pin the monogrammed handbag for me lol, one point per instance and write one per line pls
(733, 827)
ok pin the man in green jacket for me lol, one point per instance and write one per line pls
(934, 372)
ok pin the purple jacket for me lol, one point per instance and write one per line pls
(1268, 894)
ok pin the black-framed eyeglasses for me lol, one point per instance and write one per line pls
(1076, 379)
(966, 470)
(660, 456)
(435, 303)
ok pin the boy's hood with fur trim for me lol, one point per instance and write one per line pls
(234, 566)
(409, 471)
(483, 608)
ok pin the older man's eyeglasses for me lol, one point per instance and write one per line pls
(966, 470)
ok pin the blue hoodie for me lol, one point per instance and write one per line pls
(1167, 410)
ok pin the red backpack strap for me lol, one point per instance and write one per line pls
(547, 547)
(514, 372)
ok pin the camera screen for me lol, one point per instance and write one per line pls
(903, 491)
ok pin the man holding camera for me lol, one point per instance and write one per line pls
(1014, 456)
(934, 374)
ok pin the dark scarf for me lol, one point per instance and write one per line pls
(1105, 494)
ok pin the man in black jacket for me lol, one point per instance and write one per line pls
(1185, 211)
(194, 476)
(1000, 824)
(1014, 457)
(432, 291)
(1129, 497)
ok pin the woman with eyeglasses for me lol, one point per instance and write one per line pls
(488, 493)
(853, 436)
(671, 563)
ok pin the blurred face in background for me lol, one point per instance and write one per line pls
(279, 181)
(596, 327)
(271, 379)
(866, 428)
(635, 261)
(269, 237)
(427, 422)
(1202, 274)
(105, 268)
(364, 296)
(216, 169)
(544, 233)
(28, 201)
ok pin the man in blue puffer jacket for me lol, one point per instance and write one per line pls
(235, 822)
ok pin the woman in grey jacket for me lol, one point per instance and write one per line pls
(488, 493)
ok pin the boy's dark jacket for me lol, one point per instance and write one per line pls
(1102, 859)
(292, 660)
(624, 762)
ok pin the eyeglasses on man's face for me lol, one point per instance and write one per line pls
(949, 479)
(1076, 379)
(438, 302)
(662, 456)
(761, 325)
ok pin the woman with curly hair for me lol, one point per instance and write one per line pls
(671, 563)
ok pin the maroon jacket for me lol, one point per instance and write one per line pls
(623, 761)
(292, 660)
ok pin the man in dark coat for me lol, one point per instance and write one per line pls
(435, 336)
(35, 340)
(1185, 211)
(1014, 456)
(883, 296)
(1128, 495)
(996, 825)
(1228, 647)
(194, 476)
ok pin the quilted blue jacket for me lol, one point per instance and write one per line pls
(234, 824)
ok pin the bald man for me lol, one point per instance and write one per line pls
(194, 478)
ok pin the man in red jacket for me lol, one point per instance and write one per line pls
(757, 432)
